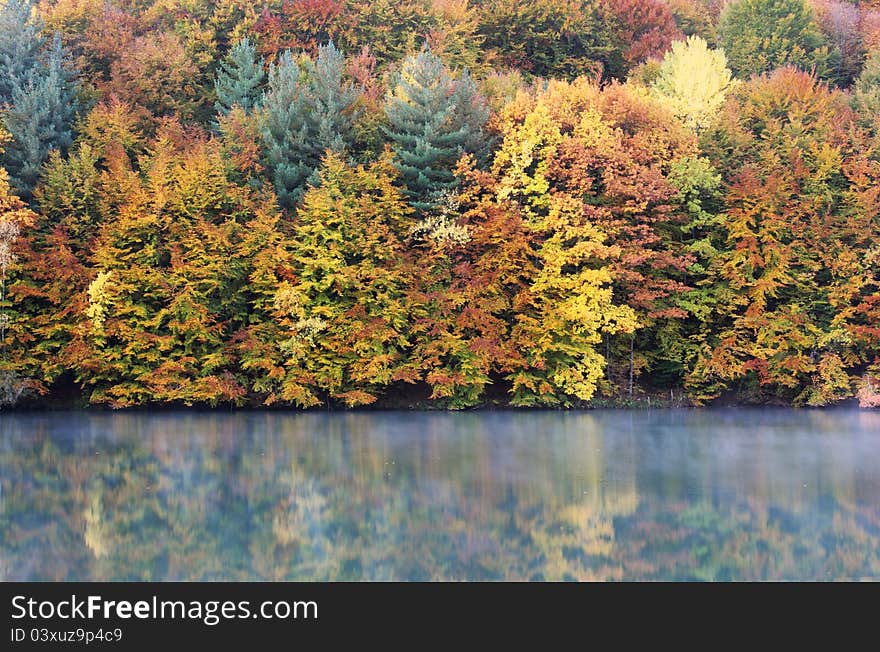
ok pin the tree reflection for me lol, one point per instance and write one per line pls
(476, 496)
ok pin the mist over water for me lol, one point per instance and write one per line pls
(738, 494)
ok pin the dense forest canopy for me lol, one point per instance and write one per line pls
(439, 202)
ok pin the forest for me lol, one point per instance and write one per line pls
(439, 203)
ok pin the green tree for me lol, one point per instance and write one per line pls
(21, 41)
(546, 38)
(761, 35)
(39, 119)
(866, 93)
(239, 78)
(433, 119)
(307, 110)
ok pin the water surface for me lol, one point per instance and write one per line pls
(604, 495)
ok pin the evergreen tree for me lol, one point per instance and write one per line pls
(434, 119)
(239, 78)
(762, 35)
(330, 100)
(39, 119)
(307, 110)
(284, 130)
(20, 44)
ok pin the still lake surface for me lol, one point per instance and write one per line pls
(734, 494)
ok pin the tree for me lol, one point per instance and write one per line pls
(566, 309)
(157, 75)
(866, 93)
(39, 119)
(165, 289)
(787, 276)
(614, 151)
(840, 20)
(433, 120)
(306, 111)
(21, 42)
(692, 81)
(759, 36)
(343, 316)
(239, 79)
(331, 100)
(545, 38)
(14, 218)
(642, 29)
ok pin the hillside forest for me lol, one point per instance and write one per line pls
(439, 203)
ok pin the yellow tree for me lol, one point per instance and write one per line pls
(562, 314)
(692, 81)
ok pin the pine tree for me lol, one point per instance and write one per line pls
(284, 130)
(307, 110)
(40, 119)
(21, 41)
(434, 119)
(330, 100)
(239, 79)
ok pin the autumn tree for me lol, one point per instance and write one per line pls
(692, 81)
(548, 39)
(603, 157)
(158, 75)
(15, 218)
(342, 316)
(781, 147)
(568, 305)
(166, 285)
(641, 29)
(866, 93)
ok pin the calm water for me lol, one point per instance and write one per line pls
(605, 495)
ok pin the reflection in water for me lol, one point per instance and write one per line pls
(605, 495)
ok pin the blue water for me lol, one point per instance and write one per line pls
(738, 494)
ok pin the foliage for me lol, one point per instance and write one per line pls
(761, 35)
(21, 40)
(212, 204)
(643, 29)
(239, 79)
(547, 39)
(434, 119)
(39, 118)
(693, 81)
(307, 109)
(341, 316)
(780, 321)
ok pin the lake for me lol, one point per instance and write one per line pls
(732, 494)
